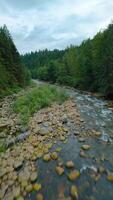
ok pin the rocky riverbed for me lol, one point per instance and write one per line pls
(66, 152)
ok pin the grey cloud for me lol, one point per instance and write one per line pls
(39, 24)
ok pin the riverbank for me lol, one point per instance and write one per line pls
(67, 154)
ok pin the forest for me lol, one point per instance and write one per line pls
(13, 74)
(88, 66)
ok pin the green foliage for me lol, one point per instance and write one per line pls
(37, 98)
(87, 67)
(12, 72)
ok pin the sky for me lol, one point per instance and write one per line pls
(40, 24)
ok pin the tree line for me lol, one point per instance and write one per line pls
(86, 67)
(12, 72)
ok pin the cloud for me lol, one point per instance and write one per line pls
(40, 24)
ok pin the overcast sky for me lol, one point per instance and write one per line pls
(40, 24)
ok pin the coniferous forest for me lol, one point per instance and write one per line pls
(86, 67)
(12, 72)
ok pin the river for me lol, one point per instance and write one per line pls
(92, 185)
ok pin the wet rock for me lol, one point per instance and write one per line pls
(70, 164)
(76, 133)
(37, 186)
(98, 134)
(86, 147)
(82, 154)
(73, 175)
(59, 170)
(110, 177)
(62, 138)
(74, 192)
(81, 139)
(54, 155)
(40, 197)
(47, 157)
(58, 149)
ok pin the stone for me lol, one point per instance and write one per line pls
(59, 170)
(64, 119)
(74, 192)
(110, 177)
(47, 157)
(16, 192)
(20, 198)
(62, 138)
(37, 186)
(54, 155)
(82, 154)
(86, 147)
(33, 176)
(81, 139)
(43, 131)
(58, 149)
(18, 163)
(40, 197)
(73, 175)
(29, 188)
(98, 134)
(69, 164)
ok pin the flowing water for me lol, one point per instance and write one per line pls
(97, 116)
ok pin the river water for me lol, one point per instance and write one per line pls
(97, 116)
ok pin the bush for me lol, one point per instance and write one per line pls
(37, 98)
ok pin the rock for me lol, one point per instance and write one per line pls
(64, 119)
(58, 149)
(37, 186)
(17, 164)
(16, 192)
(81, 139)
(59, 170)
(74, 192)
(2, 172)
(29, 188)
(47, 157)
(44, 131)
(98, 134)
(20, 198)
(62, 138)
(24, 183)
(86, 147)
(76, 133)
(70, 164)
(82, 154)
(73, 175)
(33, 176)
(40, 196)
(110, 177)
(54, 155)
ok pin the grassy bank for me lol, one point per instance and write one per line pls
(37, 98)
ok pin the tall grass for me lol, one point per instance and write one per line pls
(37, 98)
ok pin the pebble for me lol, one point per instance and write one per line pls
(47, 157)
(74, 192)
(86, 147)
(59, 170)
(69, 164)
(73, 175)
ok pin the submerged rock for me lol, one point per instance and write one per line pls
(69, 164)
(54, 155)
(86, 147)
(110, 177)
(40, 196)
(73, 175)
(47, 157)
(59, 170)
(74, 192)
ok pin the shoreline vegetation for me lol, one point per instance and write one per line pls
(88, 66)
